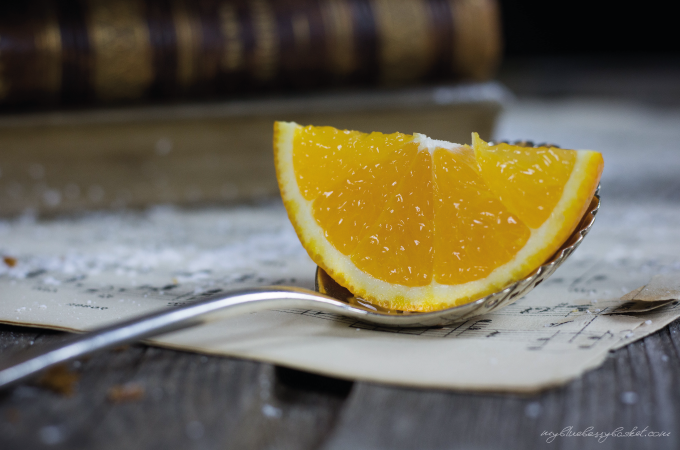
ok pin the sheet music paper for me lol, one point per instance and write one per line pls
(81, 273)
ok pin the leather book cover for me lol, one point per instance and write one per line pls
(87, 52)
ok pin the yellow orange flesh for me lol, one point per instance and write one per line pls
(529, 181)
(399, 246)
(414, 224)
(473, 237)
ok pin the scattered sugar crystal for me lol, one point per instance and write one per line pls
(52, 197)
(51, 435)
(51, 281)
(533, 410)
(629, 398)
(271, 411)
(163, 146)
(648, 322)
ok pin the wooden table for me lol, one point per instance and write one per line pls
(189, 401)
(193, 401)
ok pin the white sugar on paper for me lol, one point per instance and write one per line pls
(82, 273)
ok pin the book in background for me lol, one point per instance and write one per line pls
(66, 52)
(68, 66)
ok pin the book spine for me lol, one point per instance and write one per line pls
(60, 52)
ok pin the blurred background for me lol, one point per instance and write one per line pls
(590, 49)
(126, 103)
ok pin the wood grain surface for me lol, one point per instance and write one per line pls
(192, 401)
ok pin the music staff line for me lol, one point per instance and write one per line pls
(477, 328)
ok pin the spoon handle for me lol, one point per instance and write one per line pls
(244, 301)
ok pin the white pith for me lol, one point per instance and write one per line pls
(426, 297)
(429, 144)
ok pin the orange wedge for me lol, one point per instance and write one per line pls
(415, 224)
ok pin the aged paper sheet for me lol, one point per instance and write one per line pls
(77, 274)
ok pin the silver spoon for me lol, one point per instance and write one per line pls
(328, 296)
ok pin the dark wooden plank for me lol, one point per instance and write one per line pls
(190, 401)
(196, 401)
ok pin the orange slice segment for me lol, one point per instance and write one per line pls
(410, 223)
(475, 231)
(399, 247)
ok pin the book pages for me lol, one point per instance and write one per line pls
(80, 273)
